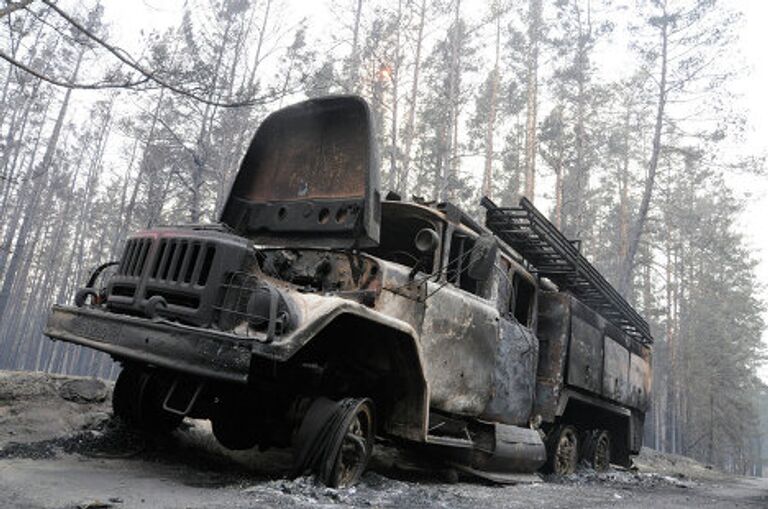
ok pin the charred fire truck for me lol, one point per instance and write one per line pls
(317, 315)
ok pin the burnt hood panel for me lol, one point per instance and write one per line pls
(310, 178)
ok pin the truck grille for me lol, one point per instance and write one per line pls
(183, 261)
(134, 257)
(176, 265)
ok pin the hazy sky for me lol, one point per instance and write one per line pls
(129, 18)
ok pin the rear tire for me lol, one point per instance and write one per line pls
(596, 451)
(562, 450)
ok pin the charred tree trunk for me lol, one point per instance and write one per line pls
(625, 280)
(411, 117)
(259, 46)
(491, 122)
(144, 165)
(395, 80)
(534, 30)
(354, 61)
(450, 135)
(39, 179)
(580, 166)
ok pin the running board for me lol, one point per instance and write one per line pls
(449, 442)
(500, 477)
(497, 452)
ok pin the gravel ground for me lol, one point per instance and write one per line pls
(59, 448)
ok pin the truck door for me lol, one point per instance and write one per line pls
(514, 377)
(458, 337)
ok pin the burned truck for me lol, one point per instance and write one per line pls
(320, 316)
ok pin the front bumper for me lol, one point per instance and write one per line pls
(200, 352)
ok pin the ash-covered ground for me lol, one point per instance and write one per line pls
(59, 448)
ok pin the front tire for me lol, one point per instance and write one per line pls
(355, 449)
(335, 440)
(137, 400)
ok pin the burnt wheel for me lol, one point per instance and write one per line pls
(562, 450)
(137, 400)
(596, 451)
(335, 440)
(355, 449)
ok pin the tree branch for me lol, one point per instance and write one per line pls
(14, 6)
(151, 76)
(59, 83)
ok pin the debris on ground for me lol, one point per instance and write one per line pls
(57, 434)
(36, 406)
(622, 478)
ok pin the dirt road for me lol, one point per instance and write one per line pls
(59, 448)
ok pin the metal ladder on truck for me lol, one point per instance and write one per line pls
(552, 255)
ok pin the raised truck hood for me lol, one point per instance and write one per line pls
(309, 178)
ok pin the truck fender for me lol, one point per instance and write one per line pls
(383, 345)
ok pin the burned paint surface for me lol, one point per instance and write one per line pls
(207, 353)
(553, 332)
(514, 375)
(402, 296)
(585, 361)
(580, 349)
(458, 338)
(309, 178)
(177, 265)
(639, 382)
(615, 371)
